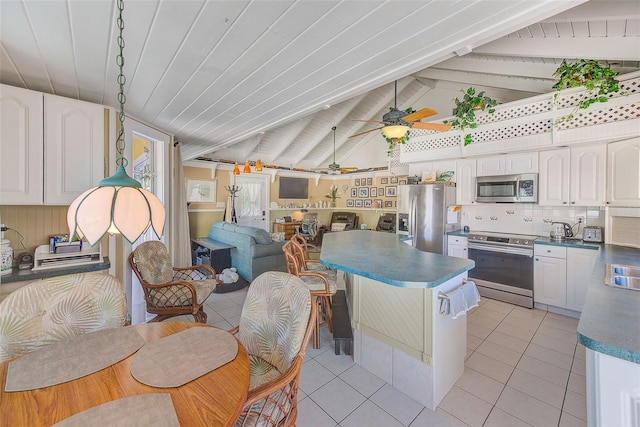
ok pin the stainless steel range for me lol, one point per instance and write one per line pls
(504, 266)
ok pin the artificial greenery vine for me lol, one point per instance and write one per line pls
(466, 108)
(599, 81)
(395, 141)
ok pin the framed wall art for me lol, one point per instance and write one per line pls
(349, 203)
(354, 192)
(201, 190)
(369, 181)
(373, 192)
(380, 191)
(356, 182)
(363, 192)
(394, 180)
(390, 191)
(377, 203)
(367, 203)
(388, 204)
(359, 203)
(384, 180)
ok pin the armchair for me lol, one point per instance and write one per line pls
(171, 291)
(275, 327)
(340, 221)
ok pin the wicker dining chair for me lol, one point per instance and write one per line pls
(322, 284)
(171, 291)
(275, 326)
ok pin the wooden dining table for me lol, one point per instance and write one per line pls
(214, 399)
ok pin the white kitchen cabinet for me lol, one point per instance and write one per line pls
(553, 180)
(508, 165)
(457, 246)
(574, 176)
(623, 173)
(465, 181)
(51, 148)
(21, 158)
(74, 136)
(489, 166)
(587, 175)
(580, 263)
(521, 163)
(550, 275)
(561, 275)
(612, 390)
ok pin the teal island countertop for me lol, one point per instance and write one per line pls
(610, 319)
(385, 258)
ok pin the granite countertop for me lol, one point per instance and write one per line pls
(569, 243)
(385, 258)
(23, 275)
(610, 319)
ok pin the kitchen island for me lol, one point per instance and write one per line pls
(393, 294)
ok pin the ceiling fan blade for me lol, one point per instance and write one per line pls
(366, 131)
(348, 169)
(419, 115)
(369, 121)
(440, 127)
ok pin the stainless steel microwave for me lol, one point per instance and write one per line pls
(521, 188)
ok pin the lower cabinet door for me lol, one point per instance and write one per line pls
(550, 281)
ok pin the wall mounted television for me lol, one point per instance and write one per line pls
(293, 188)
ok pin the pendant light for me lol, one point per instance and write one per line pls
(236, 169)
(118, 204)
(258, 162)
(247, 167)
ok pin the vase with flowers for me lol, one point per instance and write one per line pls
(333, 195)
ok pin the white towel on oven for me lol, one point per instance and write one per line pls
(457, 304)
(471, 294)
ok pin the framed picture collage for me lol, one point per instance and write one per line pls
(370, 193)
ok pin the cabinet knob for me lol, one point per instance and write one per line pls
(537, 259)
(573, 203)
(564, 203)
(548, 251)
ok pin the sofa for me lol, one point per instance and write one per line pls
(254, 253)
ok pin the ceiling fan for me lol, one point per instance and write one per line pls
(334, 167)
(404, 120)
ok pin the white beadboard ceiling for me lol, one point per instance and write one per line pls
(244, 79)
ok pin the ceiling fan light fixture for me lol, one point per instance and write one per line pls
(395, 131)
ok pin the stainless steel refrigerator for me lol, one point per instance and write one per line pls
(426, 212)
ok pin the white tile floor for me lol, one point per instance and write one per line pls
(523, 368)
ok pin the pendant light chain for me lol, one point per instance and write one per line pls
(121, 160)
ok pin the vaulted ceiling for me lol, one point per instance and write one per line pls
(240, 79)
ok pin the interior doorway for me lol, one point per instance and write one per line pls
(251, 201)
(148, 150)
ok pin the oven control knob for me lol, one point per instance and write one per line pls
(526, 242)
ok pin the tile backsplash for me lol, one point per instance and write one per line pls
(523, 218)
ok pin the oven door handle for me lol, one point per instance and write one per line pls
(502, 249)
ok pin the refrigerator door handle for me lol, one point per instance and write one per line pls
(412, 219)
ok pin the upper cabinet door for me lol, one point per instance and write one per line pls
(623, 176)
(20, 146)
(74, 148)
(465, 181)
(553, 181)
(489, 166)
(588, 175)
(521, 163)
